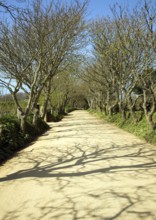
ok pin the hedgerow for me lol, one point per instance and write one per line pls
(13, 139)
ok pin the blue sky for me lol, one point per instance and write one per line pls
(96, 8)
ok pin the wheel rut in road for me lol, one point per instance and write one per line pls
(82, 168)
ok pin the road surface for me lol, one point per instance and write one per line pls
(82, 168)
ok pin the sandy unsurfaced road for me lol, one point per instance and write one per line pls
(82, 168)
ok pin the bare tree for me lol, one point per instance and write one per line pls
(35, 47)
(124, 49)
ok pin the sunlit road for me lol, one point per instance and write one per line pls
(82, 168)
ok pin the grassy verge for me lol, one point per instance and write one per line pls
(142, 129)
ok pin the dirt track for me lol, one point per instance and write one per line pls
(81, 169)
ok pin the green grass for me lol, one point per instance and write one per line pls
(9, 107)
(141, 129)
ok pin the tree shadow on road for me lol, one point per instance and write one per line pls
(112, 164)
(85, 158)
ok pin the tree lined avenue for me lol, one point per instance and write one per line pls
(82, 167)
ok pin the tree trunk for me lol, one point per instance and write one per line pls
(104, 109)
(141, 116)
(133, 115)
(23, 124)
(44, 109)
(35, 115)
(110, 111)
(122, 111)
(150, 121)
(149, 113)
(131, 108)
(22, 119)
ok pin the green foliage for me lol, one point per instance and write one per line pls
(13, 139)
(70, 109)
(8, 119)
(141, 129)
(56, 116)
(7, 108)
(138, 90)
(56, 98)
(33, 131)
(151, 137)
(41, 126)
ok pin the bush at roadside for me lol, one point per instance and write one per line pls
(13, 139)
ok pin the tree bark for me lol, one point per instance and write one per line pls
(35, 115)
(149, 113)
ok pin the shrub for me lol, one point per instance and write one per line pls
(13, 139)
(55, 116)
(41, 126)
